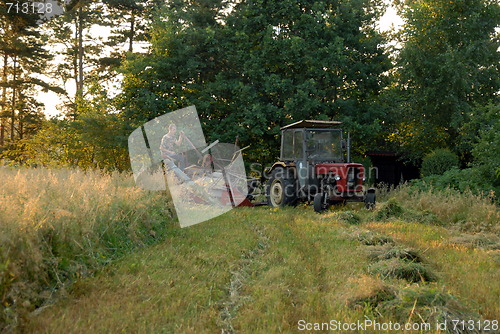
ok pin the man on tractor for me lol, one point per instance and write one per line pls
(167, 146)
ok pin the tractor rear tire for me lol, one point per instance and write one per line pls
(370, 201)
(319, 200)
(281, 188)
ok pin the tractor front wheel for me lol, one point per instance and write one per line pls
(281, 188)
(319, 202)
(370, 200)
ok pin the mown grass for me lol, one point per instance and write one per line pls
(251, 270)
(60, 225)
(262, 270)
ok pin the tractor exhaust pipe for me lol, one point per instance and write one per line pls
(348, 147)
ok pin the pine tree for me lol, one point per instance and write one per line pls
(81, 50)
(23, 59)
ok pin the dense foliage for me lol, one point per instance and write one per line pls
(260, 67)
(93, 140)
(468, 180)
(486, 152)
(448, 63)
(481, 137)
(438, 161)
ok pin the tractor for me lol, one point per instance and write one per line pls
(312, 168)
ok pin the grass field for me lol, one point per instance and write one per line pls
(58, 226)
(418, 258)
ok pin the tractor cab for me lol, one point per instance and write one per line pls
(312, 144)
(312, 167)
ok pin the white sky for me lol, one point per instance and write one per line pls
(390, 18)
(51, 100)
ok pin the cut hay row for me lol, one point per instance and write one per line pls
(402, 284)
(420, 299)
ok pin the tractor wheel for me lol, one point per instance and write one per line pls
(281, 188)
(319, 200)
(370, 200)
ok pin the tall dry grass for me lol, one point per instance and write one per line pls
(60, 224)
(469, 212)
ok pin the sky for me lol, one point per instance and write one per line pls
(51, 100)
(390, 17)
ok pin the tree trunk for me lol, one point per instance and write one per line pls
(14, 84)
(80, 49)
(2, 129)
(132, 31)
(20, 122)
(4, 101)
(75, 59)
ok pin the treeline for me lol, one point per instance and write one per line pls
(251, 67)
(41, 53)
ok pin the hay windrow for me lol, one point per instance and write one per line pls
(235, 298)
(368, 291)
(401, 269)
(386, 252)
(411, 303)
(369, 238)
(424, 302)
(479, 240)
(348, 217)
(389, 209)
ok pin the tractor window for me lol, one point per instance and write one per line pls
(287, 145)
(324, 145)
(298, 145)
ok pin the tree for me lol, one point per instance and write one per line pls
(448, 63)
(81, 50)
(130, 21)
(172, 75)
(260, 66)
(93, 140)
(24, 59)
(481, 136)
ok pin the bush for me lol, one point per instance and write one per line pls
(439, 161)
(464, 180)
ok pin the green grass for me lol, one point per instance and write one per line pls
(262, 270)
(251, 270)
